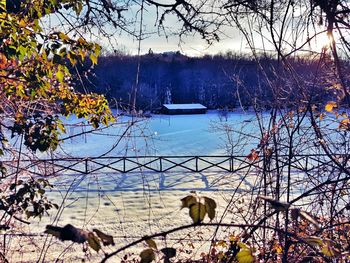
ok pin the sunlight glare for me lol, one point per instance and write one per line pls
(324, 40)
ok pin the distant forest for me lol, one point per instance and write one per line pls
(222, 81)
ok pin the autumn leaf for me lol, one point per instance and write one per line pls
(168, 252)
(106, 239)
(93, 58)
(328, 248)
(245, 254)
(344, 124)
(210, 206)
(275, 204)
(313, 241)
(3, 6)
(330, 105)
(253, 156)
(151, 243)
(3, 61)
(188, 201)
(94, 242)
(197, 212)
(68, 232)
(147, 255)
(60, 76)
(309, 218)
(22, 23)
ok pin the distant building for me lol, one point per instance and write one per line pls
(194, 108)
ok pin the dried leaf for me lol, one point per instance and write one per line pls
(313, 241)
(328, 248)
(168, 252)
(344, 124)
(106, 239)
(151, 244)
(275, 204)
(210, 206)
(309, 218)
(94, 242)
(147, 255)
(68, 232)
(188, 201)
(253, 156)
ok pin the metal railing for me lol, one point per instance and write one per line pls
(160, 164)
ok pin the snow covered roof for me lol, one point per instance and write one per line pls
(184, 106)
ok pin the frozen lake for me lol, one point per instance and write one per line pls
(204, 134)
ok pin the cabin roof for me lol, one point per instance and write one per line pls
(184, 106)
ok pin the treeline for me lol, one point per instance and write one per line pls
(222, 81)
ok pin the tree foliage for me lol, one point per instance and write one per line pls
(36, 88)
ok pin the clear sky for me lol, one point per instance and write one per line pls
(192, 45)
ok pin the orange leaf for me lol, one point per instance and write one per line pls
(3, 61)
(330, 105)
(344, 124)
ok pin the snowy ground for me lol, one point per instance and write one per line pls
(137, 204)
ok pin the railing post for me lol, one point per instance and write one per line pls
(86, 166)
(196, 163)
(231, 163)
(306, 162)
(160, 164)
(124, 169)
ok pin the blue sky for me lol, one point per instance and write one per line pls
(192, 45)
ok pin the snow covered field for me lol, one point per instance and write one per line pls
(132, 205)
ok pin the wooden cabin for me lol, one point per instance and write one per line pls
(194, 108)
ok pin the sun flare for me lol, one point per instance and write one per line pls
(324, 40)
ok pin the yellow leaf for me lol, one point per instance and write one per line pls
(63, 36)
(147, 256)
(278, 249)
(3, 5)
(245, 254)
(60, 76)
(322, 115)
(330, 105)
(61, 126)
(22, 23)
(313, 241)
(328, 248)
(197, 212)
(93, 58)
(82, 41)
(221, 243)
